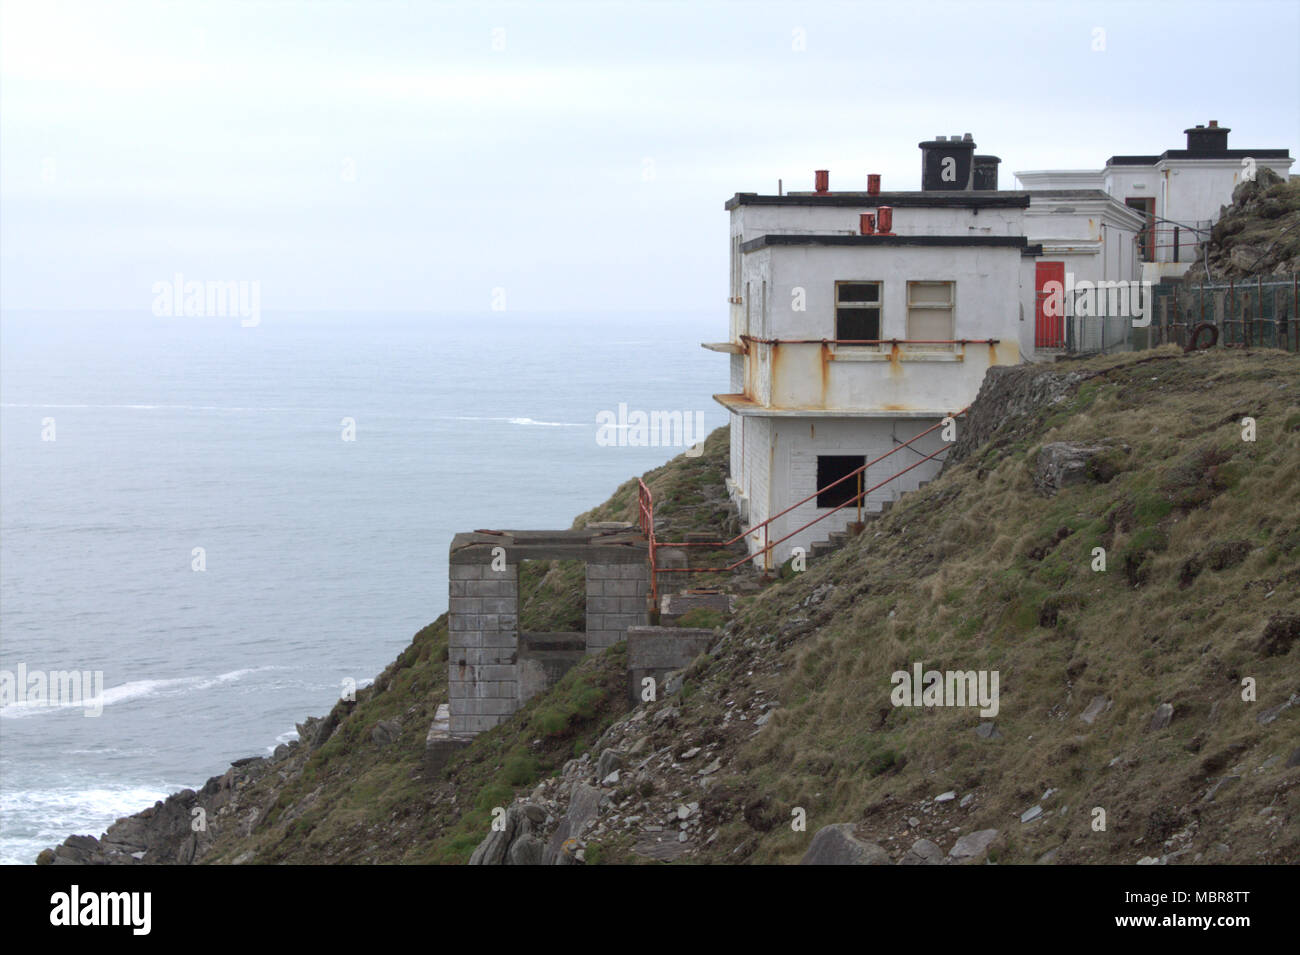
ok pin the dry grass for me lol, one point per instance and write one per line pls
(980, 571)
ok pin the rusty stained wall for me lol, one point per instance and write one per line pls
(818, 376)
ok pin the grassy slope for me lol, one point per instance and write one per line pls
(355, 801)
(977, 570)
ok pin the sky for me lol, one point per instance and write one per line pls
(433, 157)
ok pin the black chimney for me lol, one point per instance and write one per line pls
(1207, 139)
(947, 165)
(986, 173)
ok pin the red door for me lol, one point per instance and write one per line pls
(1049, 310)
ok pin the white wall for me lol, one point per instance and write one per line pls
(751, 221)
(796, 444)
(988, 298)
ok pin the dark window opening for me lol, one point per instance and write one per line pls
(857, 311)
(859, 292)
(832, 467)
(857, 324)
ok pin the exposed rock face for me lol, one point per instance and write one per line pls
(385, 732)
(1161, 718)
(584, 806)
(1259, 234)
(972, 845)
(514, 843)
(923, 852)
(837, 845)
(1062, 465)
(1281, 631)
(174, 830)
(1009, 398)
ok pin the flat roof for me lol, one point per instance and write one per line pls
(889, 241)
(1198, 154)
(967, 199)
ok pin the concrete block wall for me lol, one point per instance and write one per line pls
(482, 644)
(657, 651)
(491, 669)
(616, 600)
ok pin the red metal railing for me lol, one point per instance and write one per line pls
(645, 503)
(870, 341)
(646, 509)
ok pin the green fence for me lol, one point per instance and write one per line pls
(1246, 313)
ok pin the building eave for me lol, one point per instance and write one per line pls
(971, 199)
(888, 241)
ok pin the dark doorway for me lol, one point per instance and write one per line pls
(832, 467)
(1147, 237)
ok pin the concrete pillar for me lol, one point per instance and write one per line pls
(616, 600)
(482, 643)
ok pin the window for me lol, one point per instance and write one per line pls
(857, 312)
(832, 467)
(930, 314)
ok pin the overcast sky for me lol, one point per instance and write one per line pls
(415, 156)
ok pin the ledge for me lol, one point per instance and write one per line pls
(869, 356)
(746, 407)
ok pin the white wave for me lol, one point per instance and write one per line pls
(137, 407)
(524, 421)
(135, 690)
(36, 819)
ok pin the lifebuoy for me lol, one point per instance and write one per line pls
(1196, 336)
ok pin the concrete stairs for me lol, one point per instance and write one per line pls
(837, 539)
(674, 606)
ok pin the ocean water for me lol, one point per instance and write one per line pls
(321, 556)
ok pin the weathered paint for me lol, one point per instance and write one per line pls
(825, 364)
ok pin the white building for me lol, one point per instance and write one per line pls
(850, 337)
(861, 319)
(1178, 194)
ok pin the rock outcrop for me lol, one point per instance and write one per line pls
(1008, 403)
(1258, 235)
(838, 845)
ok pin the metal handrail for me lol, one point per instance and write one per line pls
(861, 495)
(870, 341)
(859, 470)
(856, 499)
(646, 515)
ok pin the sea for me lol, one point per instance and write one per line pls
(225, 521)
